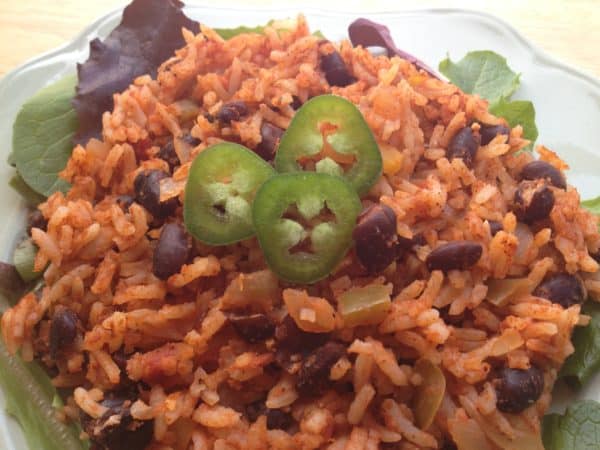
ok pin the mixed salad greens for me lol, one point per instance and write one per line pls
(69, 111)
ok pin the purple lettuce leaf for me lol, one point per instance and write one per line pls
(149, 33)
(367, 33)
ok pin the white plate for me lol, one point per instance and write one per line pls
(567, 101)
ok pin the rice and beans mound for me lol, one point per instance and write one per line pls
(443, 326)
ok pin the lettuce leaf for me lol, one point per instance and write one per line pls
(149, 34)
(368, 33)
(593, 205)
(585, 361)
(577, 429)
(29, 398)
(482, 72)
(517, 112)
(42, 137)
(487, 74)
(228, 33)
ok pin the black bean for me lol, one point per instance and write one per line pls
(291, 338)
(449, 445)
(116, 429)
(270, 136)
(168, 154)
(489, 132)
(254, 410)
(147, 194)
(407, 244)
(517, 389)
(254, 327)
(536, 170)
(296, 102)
(35, 219)
(375, 238)
(451, 319)
(63, 330)
(124, 202)
(390, 445)
(533, 201)
(171, 252)
(455, 255)
(335, 70)
(278, 419)
(464, 146)
(495, 226)
(313, 376)
(232, 111)
(190, 140)
(562, 288)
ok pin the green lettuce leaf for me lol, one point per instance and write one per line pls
(31, 197)
(228, 33)
(23, 259)
(482, 72)
(29, 398)
(577, 429)
(585, 361)
(486, 73)
(42, 136)
(517, 112)
(592, 205)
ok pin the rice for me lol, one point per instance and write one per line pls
(196, 380)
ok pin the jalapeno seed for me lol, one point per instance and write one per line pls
(536, 170)
(171, 252)
(517, 389)
(463, 146)
(562, 288)
(533, 201)
(455, 255)
(221, 185)
(375, 238)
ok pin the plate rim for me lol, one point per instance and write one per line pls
(540, 54)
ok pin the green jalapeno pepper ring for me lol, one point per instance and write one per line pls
(221, 185)
(331, 132)
(308, 195)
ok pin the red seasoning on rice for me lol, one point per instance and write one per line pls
(447, 281)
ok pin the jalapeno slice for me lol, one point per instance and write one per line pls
(304, 223)
(221, 185)
(328, 134)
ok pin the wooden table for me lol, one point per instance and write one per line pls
(568, 29)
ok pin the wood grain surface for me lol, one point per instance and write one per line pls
(567, 29)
